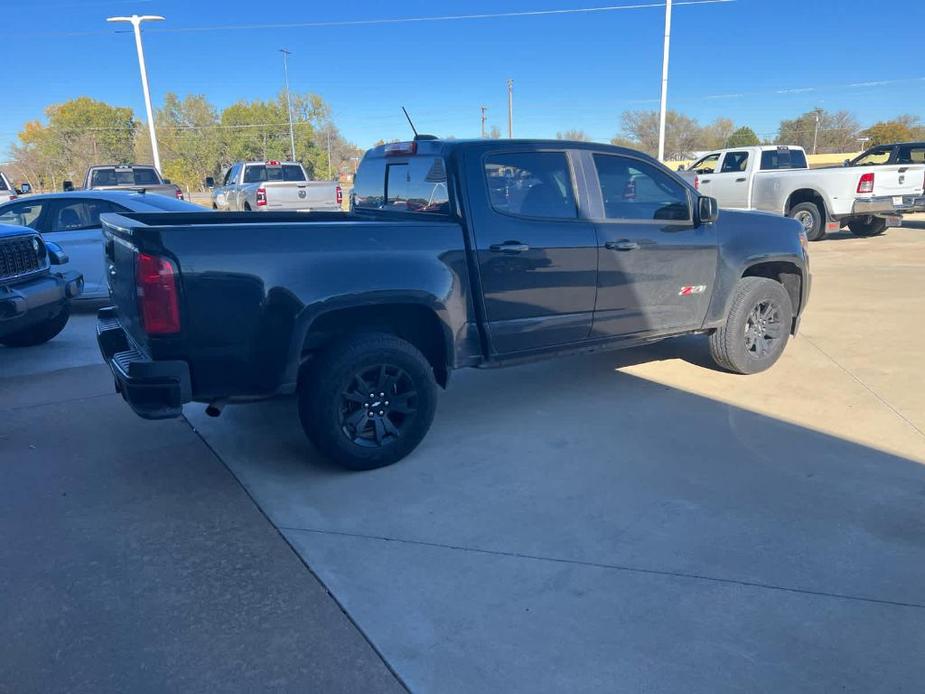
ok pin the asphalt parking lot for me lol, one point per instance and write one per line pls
(632, 521)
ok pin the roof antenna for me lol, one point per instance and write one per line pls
(413, 129)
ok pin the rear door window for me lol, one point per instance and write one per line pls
(531, 184)
(911, 154)
(783, 158)
(735, 162)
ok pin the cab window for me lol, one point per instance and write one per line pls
(879, 155)
(413, 184)
(637, 191)
(531, 184)
(707, 165)
(735, 162)
(24, 214)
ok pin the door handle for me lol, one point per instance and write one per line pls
(740, 180)
(509, 247)
(624, 245)
(705, 180)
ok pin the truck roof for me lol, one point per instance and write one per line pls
(438, 147)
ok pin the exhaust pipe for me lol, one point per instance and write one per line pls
(214, 409)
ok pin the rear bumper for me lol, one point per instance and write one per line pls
(31, 301)
(887, 205)
(153, 389)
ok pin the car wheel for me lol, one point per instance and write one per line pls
(757, 327)
(41, 333)
(810, 216)
(867, 226)
(368, 401)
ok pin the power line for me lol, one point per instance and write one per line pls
(398, 20)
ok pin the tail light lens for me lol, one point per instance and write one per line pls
(179, 194)
(261, 197)
(866, 184)
(340, 195)
(696, 182)
(158, 301)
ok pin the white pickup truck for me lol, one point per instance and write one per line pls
(778, 179)
(7, 190)
(273, 186)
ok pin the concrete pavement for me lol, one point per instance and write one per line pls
(633, 521)
(131, 560)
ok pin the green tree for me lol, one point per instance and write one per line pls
(76, 134)
(189, 140)
(743, 137)
(836, 132)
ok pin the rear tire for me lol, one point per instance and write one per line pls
(363, 430)
(867, 226)
(757, 327)
(41, 333)
(810, 216)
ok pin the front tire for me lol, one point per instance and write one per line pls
(757, 327)
(41, 333)
(368, 400)
(867, 226)
(810, 216)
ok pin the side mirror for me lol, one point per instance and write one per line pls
(847, 162)
(680, 167)
(56, 255)
(67, 186)
(707, 209)
(210, 182)
(25, 189)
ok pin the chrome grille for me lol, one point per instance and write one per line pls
(18, 257)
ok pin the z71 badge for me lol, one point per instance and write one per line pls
(688, 291)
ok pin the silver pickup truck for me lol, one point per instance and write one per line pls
(129, 177)
(273, 186)
(866, 199)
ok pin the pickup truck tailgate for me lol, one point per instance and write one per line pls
(286, 195)
(898, 180)
(120, 255)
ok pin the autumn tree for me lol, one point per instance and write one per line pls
(836, 132)
(574, 136)
(641, 128)
(900, 129)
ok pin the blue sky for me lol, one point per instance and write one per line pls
(755, 61)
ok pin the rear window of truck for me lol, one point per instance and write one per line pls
(413, 184)
(783, 158)
(260, 173)
(124, 177)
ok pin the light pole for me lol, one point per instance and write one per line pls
(136, 20)
(286, 54)
(663, 113)
(816, 133)
(510, 109)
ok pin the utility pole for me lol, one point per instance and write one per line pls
(286, 54)
(484, 118)
(816, 133)
(663, 113)
(136, 20)
(510, 109)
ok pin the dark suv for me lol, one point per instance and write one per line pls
(33, 300)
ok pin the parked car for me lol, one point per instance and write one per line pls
(456, 254)
(778, 179)
(9, 192)
(264, 186)
(33, 299)
(901, 153)
(128, 177)
(72, 220)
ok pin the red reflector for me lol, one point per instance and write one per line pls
(866, 184)
(179, 194)
(340, 195)
(261, 197)
(158, 304)
(272, 163)
(400, 149)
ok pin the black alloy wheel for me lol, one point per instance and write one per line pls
(378, 405)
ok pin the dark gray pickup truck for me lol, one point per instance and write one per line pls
(455, 254)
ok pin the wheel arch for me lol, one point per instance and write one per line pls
(788, 274)
(812, 195)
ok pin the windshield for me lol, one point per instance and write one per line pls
(137, 176)
(258, 173)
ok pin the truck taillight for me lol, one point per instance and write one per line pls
(179, 194)
(696, 182)
(866, 184)
(340, 195)
(400, 149)
(158, 302)
(261, 197)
